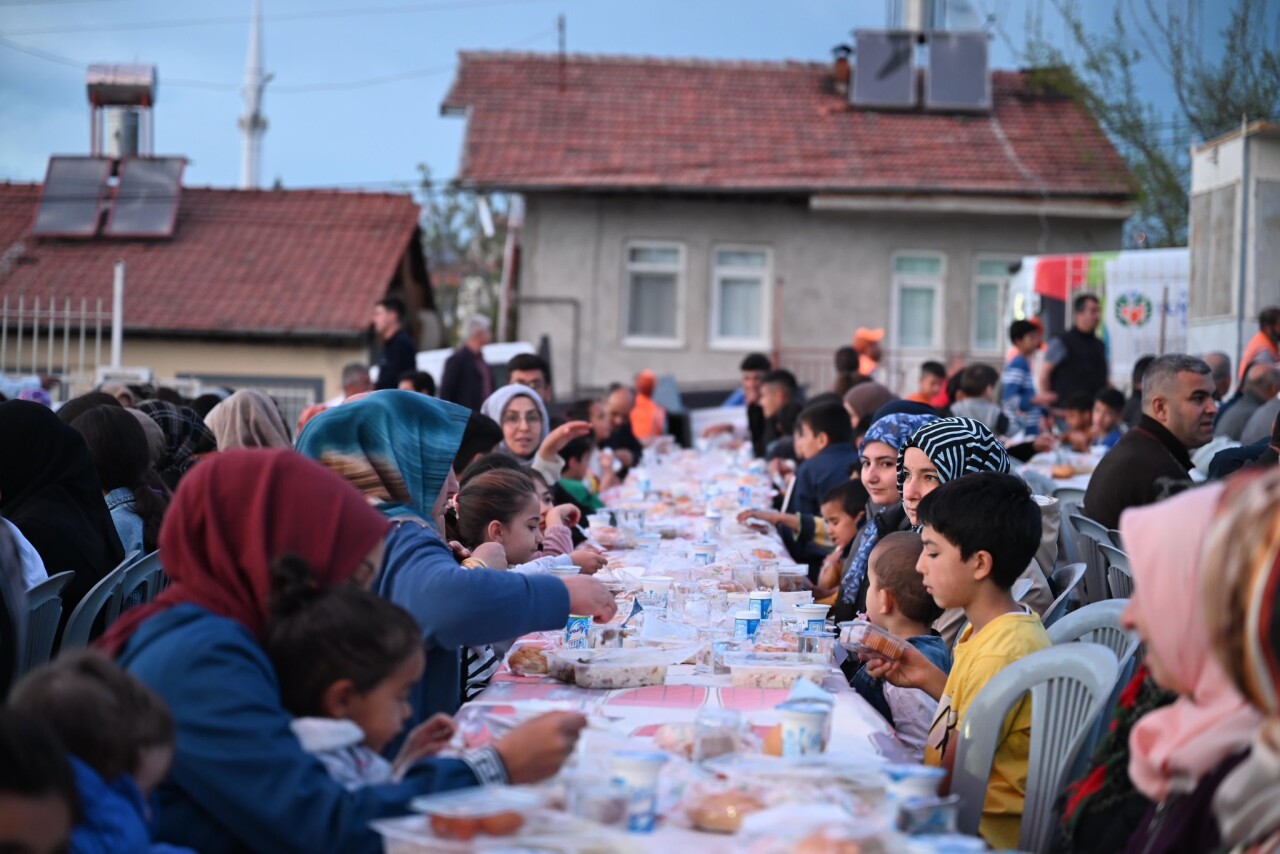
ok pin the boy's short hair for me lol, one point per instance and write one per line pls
(1080, 403)
(1139, 369)
(783, 379)
(481, 436)
(934, 369)
(578, 448)
(976, 379)
(755, 362)
(101, 714)
(1020, 329)
(851, 495)
(33, 764)
(394, 305)
(1111, 399)
(423, 382)
(829, 418)
(987, 512)
(1081, 302)
(894, 560)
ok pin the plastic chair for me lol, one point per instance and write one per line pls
(102, 602)
(1089, 534)
(13, 619)
(141, 582)
(1119, 575)
(1039, 484)
(1116, 539)
(1069, 495)
(1069, 685)
(1065, 582)
(44, 612)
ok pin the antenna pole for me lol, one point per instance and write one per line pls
(560, 31)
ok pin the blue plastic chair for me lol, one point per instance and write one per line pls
(44, 612)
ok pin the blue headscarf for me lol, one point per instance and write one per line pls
(894, 430)
(396, 447)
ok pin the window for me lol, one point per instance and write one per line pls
(989, 286)
(740, 298)
(654, 311)
(917, 286)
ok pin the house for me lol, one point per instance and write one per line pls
(271, 289)
(682, 213)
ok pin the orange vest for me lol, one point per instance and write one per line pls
(648, 419)
(1257, 344)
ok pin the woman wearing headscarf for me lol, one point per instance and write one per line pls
(940, 452)
(1242, 601)
(1179, 754)
(525, 430)
(878, 469)
(398, 447)
(862, 401)
(248, 419)
(50, 491)
(240, 780)
(186, 439)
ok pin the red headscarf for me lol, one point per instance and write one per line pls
(237, 512)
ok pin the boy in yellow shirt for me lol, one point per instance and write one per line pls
(979, 531)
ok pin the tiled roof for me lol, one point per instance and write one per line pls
(634, 123)
(270, 262)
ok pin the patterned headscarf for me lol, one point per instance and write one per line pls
(396, 447)
(956, 447)
(894, 431)
(186, 438)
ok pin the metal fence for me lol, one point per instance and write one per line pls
(62, 341)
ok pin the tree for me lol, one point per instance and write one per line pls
(1212, 92)
(465, 263)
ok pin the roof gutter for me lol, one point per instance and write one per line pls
(1070, 208)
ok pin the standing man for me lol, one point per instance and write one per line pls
(1076, 364)
(531, 370)
(1263, 347)
(468, 380)
(399, 354)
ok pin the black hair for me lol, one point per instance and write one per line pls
(1020, 329)
(1268, 317)
(33, 764)
(490, 462)
(1111, 399)
(851, 495)
(976, 379)
(1080, 402)
(755, 362)
(934, 369)
(988, 512)
(317, 637)
(127, 716)
(783, 378)
(77, 406)
(481, 436)
(785, 420)
(953, 385)
(829, 418)
(578, 448)
(205, 403)
(529, 362)
(580, 410)
(1079, 303)
(824, 397)
(394, 304)
(1139, 369)
(122, 457)
(497, 495)
(894, 560)
(422, 381)
(847, 360)
(171, 395)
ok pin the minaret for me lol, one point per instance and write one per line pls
(252, 123)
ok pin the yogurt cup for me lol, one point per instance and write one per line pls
(648, 542)
(815, 616)
(912, 781)
(638, 771)
(704, 554)
(745, 624)
(600, 520)
(804, 725)
(761, 602)
(655, 591)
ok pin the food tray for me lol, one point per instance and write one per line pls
(613, 669)
(774, 670)
(863, 638)
(466, 814)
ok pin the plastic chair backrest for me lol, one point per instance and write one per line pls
(1119, 575)
(1116, 539)
(1088, 535)
(103, 599)
(1069, 685)
(141, 582)
(1039, 484)
(1069, 495)
(1066, 583)
(44, 611)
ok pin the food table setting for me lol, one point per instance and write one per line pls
(717, 716)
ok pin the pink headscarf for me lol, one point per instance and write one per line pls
(1188, 739)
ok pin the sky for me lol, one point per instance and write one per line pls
(358, 83)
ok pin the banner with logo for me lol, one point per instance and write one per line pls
(1144, 309)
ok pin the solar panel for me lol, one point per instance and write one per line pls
(147, 199)
(71, 200)
(885, 73)
(958, 78)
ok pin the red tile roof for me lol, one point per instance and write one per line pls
(274, 262)
(650, 124)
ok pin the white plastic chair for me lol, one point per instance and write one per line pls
(1039, 484)
(1119, 575)
(1071, 498)
(1089, 535)
(1065, 582)
(1069, 686)
(102, 600)
(44, 612)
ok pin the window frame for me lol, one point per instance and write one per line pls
(624, 306)
(980, 279)
(937, 283)
(716, 341)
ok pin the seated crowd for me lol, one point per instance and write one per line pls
(338, 589)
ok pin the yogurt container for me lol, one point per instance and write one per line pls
(745, 624)
(815, 616)
(576, 630)
(912, 781)
(704, 554)
(804, 725)
(648, 542)
(655, 591)
(638, 771)
(761, 602)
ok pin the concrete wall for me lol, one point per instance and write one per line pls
(834, 271)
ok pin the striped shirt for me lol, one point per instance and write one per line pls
(1019, 391)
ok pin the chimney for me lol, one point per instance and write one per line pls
(841, 73)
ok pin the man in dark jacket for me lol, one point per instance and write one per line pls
(399, 354)
(1177, 417)
(1076, 364)
(467, 379)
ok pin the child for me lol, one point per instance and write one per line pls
(573, 487)
(933, 376)
(979, 532)
(843, 507)
(1077, 414)
(118, 735)
(39, 804)
(898, 603)
(976, 399)
(827, 458)
(346, 660)
(1108, 418)
(1020, 401)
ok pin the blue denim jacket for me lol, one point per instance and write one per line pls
(124, 513)
(872, 690)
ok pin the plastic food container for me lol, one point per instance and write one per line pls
(862, 637)
(792, 578)
(620, 668)
(773, 670)
(928, 816)
(482, 811)
(560, 663)
(913, 781)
